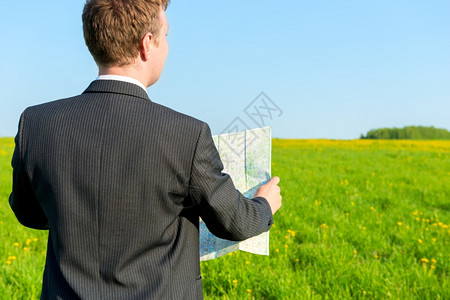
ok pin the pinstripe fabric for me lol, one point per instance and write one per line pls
(120, 183)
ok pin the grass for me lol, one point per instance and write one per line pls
(22, 250)
(360, 219)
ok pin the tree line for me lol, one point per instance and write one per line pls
(408, 133)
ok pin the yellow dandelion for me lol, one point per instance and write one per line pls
(249, 291)
(407, 227)
(364, 292)
(292, 233)
(247, 262)
(364, 228)
(399, 223)
(354, 251)
(235, 281)
(353, 203)
(433, 267)
(433, 239)
(231, 253)
(12, 258)
(285, 246)
(371, 208)
(433, 261)
(35, 240)
(376, 256)
(16, 244)
(419, 241)
(286, 237)
(347, 214)
(297, 260)
(424, 260)
(8, 262)
(277, 250)
(25, 248)
(28, 241)
(417, 219)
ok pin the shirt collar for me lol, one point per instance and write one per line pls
(122, 78)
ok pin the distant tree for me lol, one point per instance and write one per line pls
(408, 133)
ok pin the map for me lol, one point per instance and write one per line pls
(246, 157)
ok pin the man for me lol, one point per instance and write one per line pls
(120, 181)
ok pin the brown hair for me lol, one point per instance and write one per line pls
(113, 29)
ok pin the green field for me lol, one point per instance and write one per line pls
(360, 219)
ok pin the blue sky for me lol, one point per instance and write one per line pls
(334, 69)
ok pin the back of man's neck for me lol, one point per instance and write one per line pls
(122, 71)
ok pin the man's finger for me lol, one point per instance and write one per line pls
(275, 180)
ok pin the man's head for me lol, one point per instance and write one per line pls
(114, 29)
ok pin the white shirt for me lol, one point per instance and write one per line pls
(121, 78)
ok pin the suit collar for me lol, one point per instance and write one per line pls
(116, 87)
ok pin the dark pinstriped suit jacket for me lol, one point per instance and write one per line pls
(120, 182)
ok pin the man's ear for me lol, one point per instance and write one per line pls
(147, 45)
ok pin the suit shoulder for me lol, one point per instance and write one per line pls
(178, 116)
(49, 106)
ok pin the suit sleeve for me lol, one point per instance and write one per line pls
(226, 212)
(22, 199)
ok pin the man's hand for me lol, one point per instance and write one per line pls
(271, 192)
